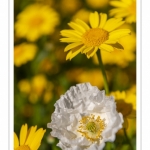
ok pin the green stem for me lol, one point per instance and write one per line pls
(103, 71)
(126, 136)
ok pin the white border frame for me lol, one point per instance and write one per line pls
(7, 76)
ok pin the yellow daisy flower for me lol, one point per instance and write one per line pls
(71, 6)
(124, 9)
(36, 20)
(23, 53)
(126, 103)
(101, 35)
(30, 139)
(121, 58)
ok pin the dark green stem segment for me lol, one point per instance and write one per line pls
(103, 71)
(127, 139)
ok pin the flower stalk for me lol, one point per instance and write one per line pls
(127, 139)
(103, 71)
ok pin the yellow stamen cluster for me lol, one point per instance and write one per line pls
(95, 37)
(91, 127)
(23, 147)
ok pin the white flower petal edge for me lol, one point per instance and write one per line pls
(78, 102)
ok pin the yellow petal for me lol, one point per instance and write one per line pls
(76, 27)
(16, 141)
(106, 47)
(37, 138)
(70, 40)
(118, 4)
(31, 135)
(110, 42)
(72, 45)
(112, 24)
(118, 33)
(103, 19)
(70, 33)
(68, 55)
(94, 19)
(119, 13)
(82, 23)
(131, 19)
(87, 49)
(92, 52)
(74, 52)
(37, 146)
(23, 134)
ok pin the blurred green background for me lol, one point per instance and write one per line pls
(42, 74)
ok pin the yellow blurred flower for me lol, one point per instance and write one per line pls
(97, 3)
(24, 86)
(124, 9)
(69, 6)
(121, 58)
(29, 138)
(93, 76)
(82, 14)
(101, 35)
(38, 84)
(36, 20)
(47, 96)
(23, 53)
(126, 103)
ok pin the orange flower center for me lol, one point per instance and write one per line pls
(95, 37)
(23, 147)
(36, 21)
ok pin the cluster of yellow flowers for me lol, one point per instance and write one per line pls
(33, 22)
(36, 88)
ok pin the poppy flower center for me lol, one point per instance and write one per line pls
(91, 127)
(95, 37)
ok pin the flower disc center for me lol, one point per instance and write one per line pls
(95, 37)
(36, 21)
(23, 147)
(91, 127)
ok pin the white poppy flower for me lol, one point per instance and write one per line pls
(84, 119)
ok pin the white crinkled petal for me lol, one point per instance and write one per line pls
(79, 101)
